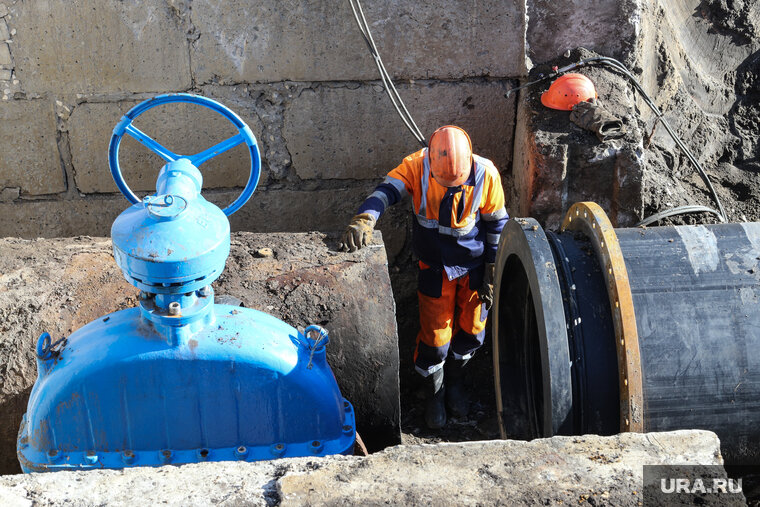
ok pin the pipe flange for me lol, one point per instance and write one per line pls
(524, 239)
(589, 219)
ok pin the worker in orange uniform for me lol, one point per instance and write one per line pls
(458, 203)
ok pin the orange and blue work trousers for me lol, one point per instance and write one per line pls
(452, 318)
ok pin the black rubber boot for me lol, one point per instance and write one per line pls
(457, 397)
(435, 411)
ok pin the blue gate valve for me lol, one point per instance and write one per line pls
(181, 379)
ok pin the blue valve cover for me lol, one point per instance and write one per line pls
(161, 246)
(246, 386)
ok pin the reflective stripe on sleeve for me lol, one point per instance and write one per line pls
(397, 184)
(424, 184)
(480, 177)
(379, 194)
(493, 239)
(496, 215)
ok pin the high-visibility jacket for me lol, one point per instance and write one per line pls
(455, 229)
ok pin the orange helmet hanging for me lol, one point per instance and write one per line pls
(450, 152)
(567, 91)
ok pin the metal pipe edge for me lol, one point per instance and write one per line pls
(590, 219)
(525, 239)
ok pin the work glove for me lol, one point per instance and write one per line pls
(485, 292)
(358, 233)
(592, 116)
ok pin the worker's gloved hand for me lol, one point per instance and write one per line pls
(358, 233)
(485, 292)
(592, 116)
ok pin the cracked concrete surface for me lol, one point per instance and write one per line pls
(561, 470)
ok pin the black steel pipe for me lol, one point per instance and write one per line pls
(600, 330)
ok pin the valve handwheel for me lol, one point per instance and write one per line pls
(245, 135)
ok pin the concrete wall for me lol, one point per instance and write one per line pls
(300, 74)
(297, 71)
(609, 27)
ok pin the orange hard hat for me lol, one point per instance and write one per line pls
(567, 91)
(450, 153)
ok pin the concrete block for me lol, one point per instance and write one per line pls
(4, 33)
(183, 128)
(9, 194)
(267, 211)
(557, 163)
(29, 158)
(58, 285)
(6, 75)
(607, 27)
(60, 218)
(320, 41)
(557, 471)
(343, 133)
(99, 47)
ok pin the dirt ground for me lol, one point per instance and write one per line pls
(706, 81)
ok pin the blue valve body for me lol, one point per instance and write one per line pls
(180, 379)
(120, 392)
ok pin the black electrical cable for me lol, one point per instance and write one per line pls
(677, 211)
(390, 88)
(660, 117)
(615, 64)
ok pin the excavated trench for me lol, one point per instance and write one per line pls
(700, 62)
